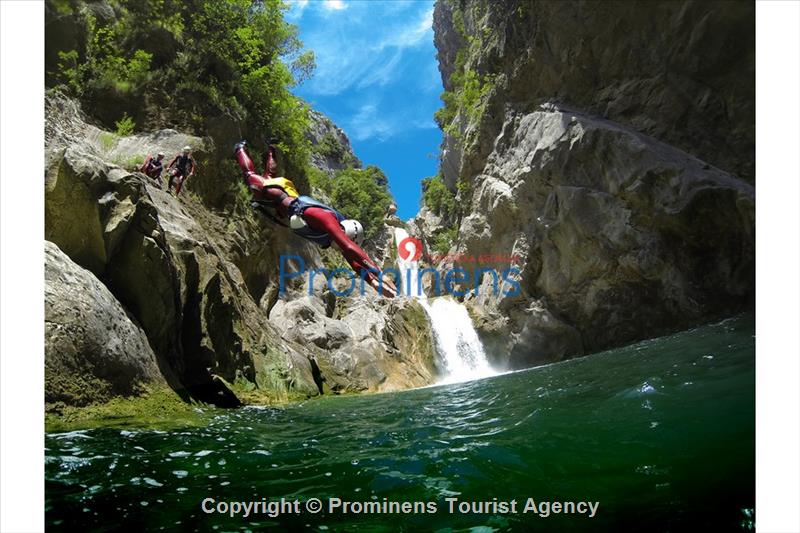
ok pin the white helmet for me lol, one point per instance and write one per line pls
(354, 230)
(186, 149)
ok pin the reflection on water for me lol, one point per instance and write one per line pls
(661, 433)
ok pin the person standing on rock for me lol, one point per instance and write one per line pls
(181, 169)
(277, 198)
(152, 167)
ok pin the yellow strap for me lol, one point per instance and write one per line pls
(284, 184)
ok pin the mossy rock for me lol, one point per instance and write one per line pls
(157, 407)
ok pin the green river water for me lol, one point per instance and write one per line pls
(660, 433)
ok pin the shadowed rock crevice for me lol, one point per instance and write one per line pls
(318, 379)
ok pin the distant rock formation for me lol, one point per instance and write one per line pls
(330, 146)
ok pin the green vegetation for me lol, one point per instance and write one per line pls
(362, 194)
(241, 198)
(108, 140)
(68, 68)
(441, 201)
(197, 63)
(125, 125)
(437, 197)
(468, 96)
(157, 407)
(319, 180)
(466, 99)
(177, 63)
(469, 89)
(330, 146)
(445, 115)
(443, 240)
(63, 7)
(131, 163)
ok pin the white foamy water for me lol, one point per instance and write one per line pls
(459, 349)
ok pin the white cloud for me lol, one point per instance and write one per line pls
(381, 121)
(367, 123)
(296, 8)
(338, 69)
(334, 5)
(412, 34)
(383, 73)
(425, 124)
(366, 48)
(365, 59)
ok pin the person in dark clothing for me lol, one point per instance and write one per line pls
(152, 167)
(181, 169)
(308, 218)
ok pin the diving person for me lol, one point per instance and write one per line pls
(309, 218)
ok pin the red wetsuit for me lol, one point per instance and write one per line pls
(152, 167)
(316, 217)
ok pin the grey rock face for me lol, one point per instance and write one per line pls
(331, 150)
(163, 266)
(201, 284)
(93, 350)
(621, 229)
(683, 72)
(372, 345)
(618, 236)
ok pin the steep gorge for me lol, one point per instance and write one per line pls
(189, 293)
(608, 150)
(611, 151)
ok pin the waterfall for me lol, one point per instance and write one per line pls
(459, 349)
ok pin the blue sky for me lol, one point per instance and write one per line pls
(378, 79)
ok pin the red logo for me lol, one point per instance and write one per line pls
(409, 255)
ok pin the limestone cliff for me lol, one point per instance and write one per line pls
(96, 350)
(190, 293)
(682, 72)
(609, 149)
(330, 146)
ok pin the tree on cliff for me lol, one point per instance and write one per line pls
(181, 63)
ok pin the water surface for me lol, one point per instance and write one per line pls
(661, 433)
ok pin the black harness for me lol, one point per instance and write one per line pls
(183, 163)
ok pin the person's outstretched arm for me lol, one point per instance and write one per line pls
(326, 221)
(146, 165)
